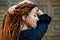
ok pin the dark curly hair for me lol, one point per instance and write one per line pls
(11, 25)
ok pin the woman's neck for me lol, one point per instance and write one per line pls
(25, 27)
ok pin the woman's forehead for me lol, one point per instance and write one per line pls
(35, 9)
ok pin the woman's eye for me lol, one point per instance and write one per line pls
(34, 15)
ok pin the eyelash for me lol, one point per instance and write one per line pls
(34, 15)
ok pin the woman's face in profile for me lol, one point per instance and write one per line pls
(32, 18)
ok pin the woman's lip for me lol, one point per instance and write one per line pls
(35, 22)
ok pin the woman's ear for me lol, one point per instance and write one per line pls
(24, 17)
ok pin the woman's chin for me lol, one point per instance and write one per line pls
(34, 26)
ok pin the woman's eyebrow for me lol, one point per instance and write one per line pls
(37, 9)
(35, 13)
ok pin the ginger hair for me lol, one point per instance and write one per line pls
(11, 25)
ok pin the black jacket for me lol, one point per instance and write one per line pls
(38, 32)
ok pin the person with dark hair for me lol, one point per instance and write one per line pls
(24, 22)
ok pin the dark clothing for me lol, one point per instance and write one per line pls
(38, 32)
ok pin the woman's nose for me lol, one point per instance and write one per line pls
(37, 19)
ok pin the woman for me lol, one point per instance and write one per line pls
(25, 23)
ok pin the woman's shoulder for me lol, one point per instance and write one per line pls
(26, 30)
